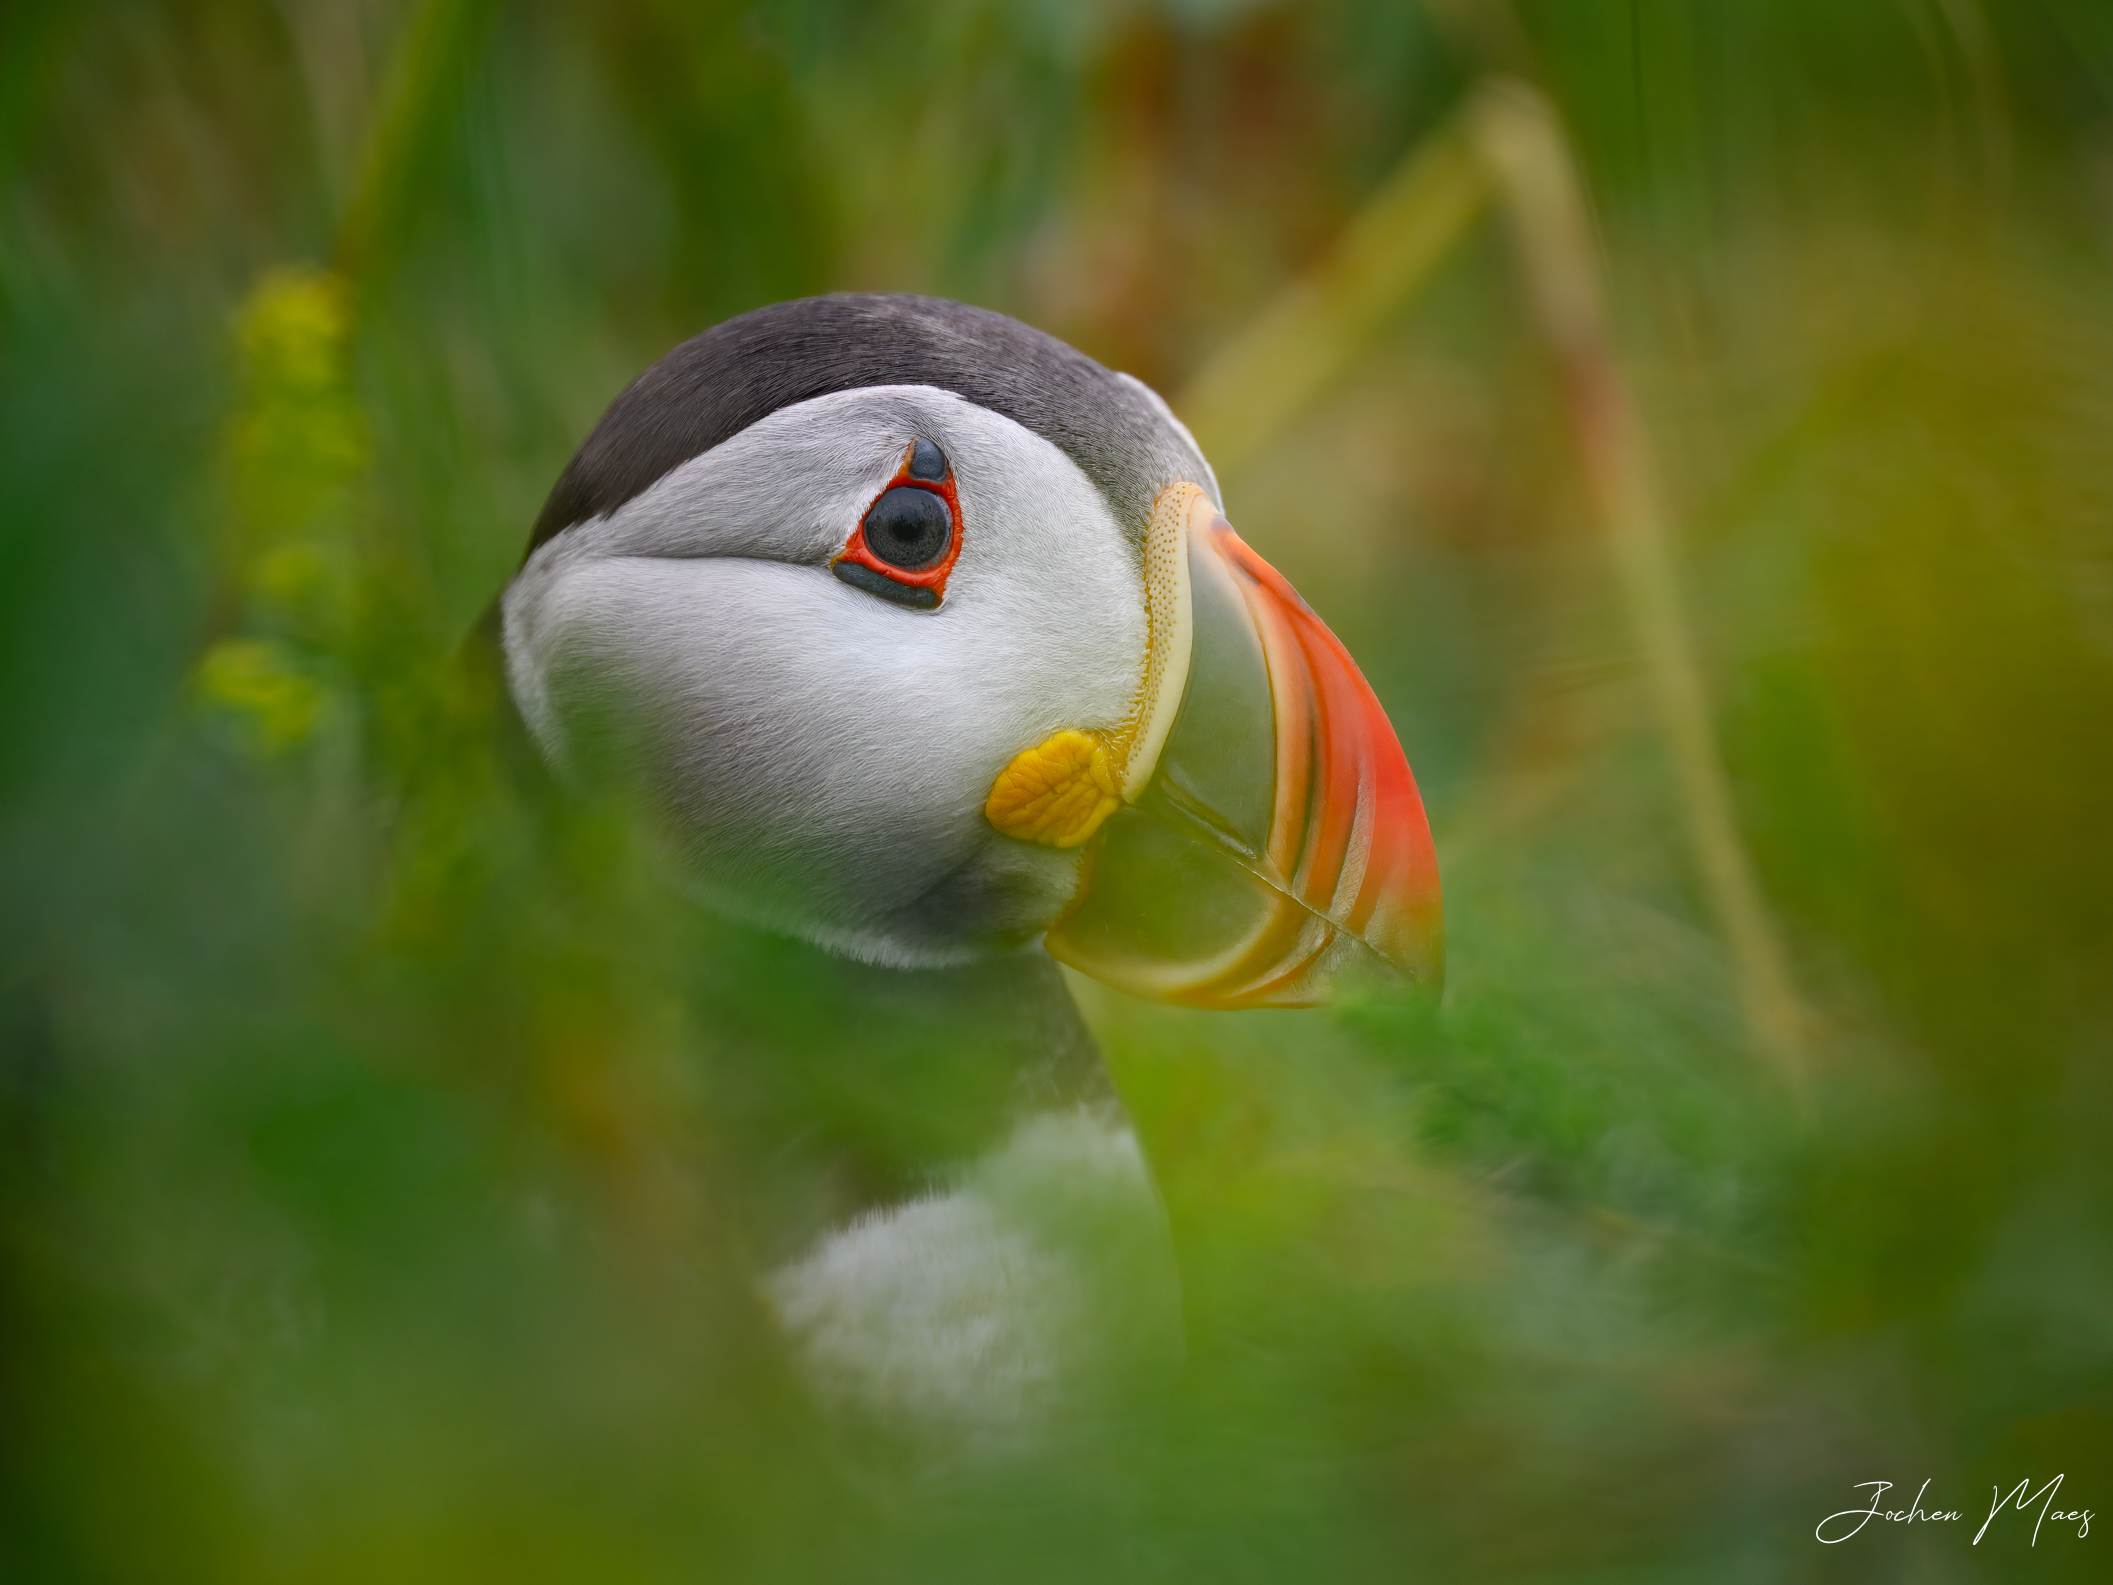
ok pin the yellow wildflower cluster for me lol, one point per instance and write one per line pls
(297, 452)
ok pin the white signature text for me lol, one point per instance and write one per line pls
(1839, 1527)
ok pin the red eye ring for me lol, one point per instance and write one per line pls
(922, 588)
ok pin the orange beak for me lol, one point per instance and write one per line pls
(1279, 851)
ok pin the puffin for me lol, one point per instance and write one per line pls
(926, 647)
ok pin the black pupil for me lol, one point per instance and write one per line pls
(908, 528)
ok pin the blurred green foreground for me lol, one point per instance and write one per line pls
(370, 1195)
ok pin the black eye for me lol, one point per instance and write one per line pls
(908, 528)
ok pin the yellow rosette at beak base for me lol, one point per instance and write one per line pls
(1060, 791)
(1056, 793)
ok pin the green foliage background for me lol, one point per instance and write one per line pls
(371, 1200)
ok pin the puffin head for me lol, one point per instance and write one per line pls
(925, 639)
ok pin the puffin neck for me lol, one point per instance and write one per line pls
(878, 1083)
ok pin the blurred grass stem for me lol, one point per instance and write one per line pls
(1517, 132)
(440, 40)
(1508, 147)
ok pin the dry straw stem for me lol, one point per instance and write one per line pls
(1518, 134)
(1317, 326)
(1508, 147)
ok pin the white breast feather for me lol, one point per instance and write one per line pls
(975, 1316)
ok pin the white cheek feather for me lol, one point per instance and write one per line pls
(822, 754)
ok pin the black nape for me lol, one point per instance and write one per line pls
(715, 385)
